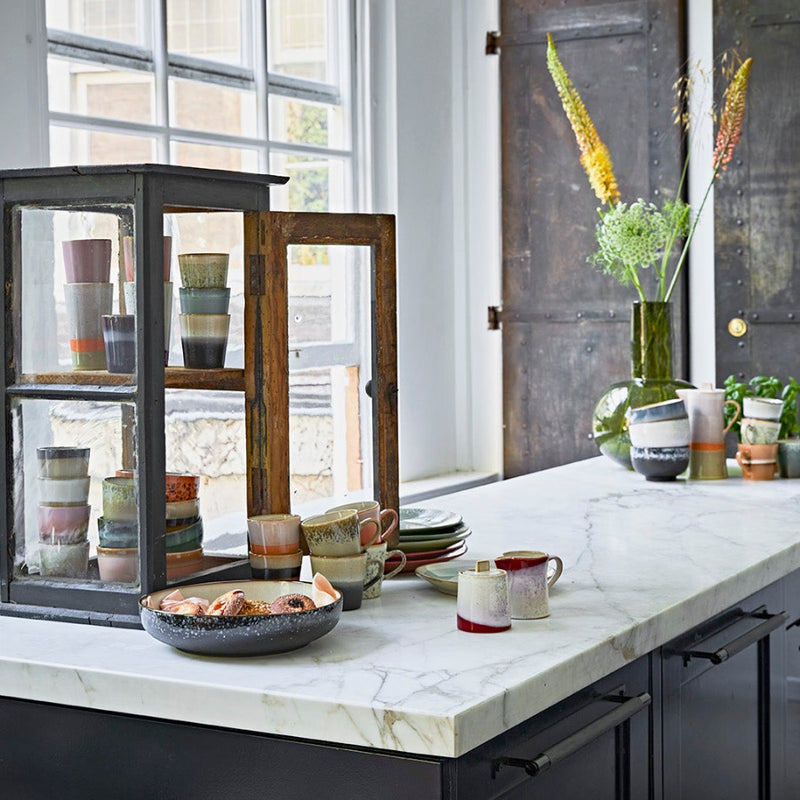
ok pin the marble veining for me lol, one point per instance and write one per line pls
(643, 563)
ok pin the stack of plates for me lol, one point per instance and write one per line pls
(428, 535)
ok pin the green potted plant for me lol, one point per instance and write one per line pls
(765, 386)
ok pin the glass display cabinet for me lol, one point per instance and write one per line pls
(137, 294)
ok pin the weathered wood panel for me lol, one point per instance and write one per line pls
(566, 326)
(757, 205)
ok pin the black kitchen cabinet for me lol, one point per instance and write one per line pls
(704, 716)
(791, 596)
(595, 744)
(722, 713)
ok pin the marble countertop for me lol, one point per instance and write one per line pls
(643, 563)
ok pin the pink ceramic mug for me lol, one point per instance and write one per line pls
(529, 582)
(87, 260)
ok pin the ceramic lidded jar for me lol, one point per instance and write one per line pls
(707, 431)
(483, 605)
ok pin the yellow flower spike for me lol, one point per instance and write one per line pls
(595, 158)
(730, 124)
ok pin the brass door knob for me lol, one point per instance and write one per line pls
(737, 327)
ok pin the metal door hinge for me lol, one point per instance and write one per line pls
(495, 317)
(492, 43)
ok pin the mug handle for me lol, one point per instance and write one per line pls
(399, 566)
(746, 431)
(372, 581)
(735, 416)
(375, 536)
(559, 569)
(392, 514)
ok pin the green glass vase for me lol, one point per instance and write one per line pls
(651, 380)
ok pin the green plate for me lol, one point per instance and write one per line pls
(443, 576)
(420, 545)
(427, 536)
(427, 519)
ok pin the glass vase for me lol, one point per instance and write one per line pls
(651, 380)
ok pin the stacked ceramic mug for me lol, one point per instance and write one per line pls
(758, 433)
(118, 552)
(88, 295)
(63, 485)
(204, 317)
(660, 436)
(338, 541)
(274, 547)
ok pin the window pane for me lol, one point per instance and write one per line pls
(316, 184)
(209, 107)
(72, 146)
(294, 121)
(77, 87)
(120, 20)
(299, 40)
(188, 154)
(210, 29)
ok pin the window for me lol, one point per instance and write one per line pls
(253, 85)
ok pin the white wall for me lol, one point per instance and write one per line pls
(23, 88)
(436, 121)
(702, 357)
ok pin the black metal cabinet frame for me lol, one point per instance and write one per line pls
(150, 191)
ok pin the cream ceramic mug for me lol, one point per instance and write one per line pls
(337, 533)
(376, 562)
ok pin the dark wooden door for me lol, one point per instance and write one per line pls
(566, 328)
(757, 206)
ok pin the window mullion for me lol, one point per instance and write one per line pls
(260, 75)
(161, 70)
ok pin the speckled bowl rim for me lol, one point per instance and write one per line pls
(239, 636)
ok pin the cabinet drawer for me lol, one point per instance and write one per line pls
(594, 744)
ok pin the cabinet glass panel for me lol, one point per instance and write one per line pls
(74, 502)
(206, 444)
(330, 347)
(70, 275)
(208, 319)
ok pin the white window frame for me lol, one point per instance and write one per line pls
(256, 78)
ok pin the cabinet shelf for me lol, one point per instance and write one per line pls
(174, 378)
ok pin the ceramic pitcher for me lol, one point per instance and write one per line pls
(707, 431)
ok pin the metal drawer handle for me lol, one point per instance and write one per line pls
(771, 622)
(566, 747)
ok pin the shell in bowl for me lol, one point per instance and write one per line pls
(241, 635)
